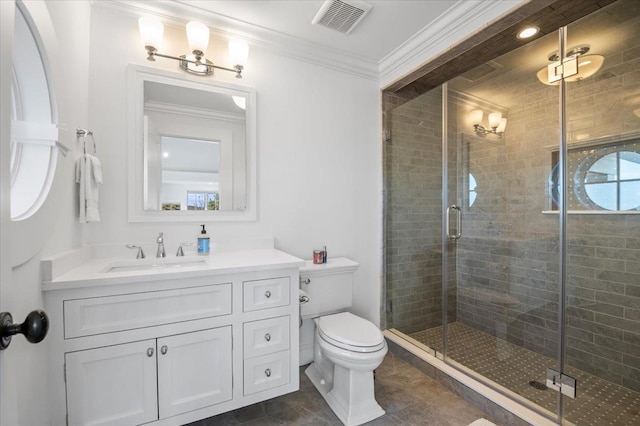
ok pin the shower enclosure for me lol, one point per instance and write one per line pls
(513, 246)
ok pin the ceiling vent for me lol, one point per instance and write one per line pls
(341, 15)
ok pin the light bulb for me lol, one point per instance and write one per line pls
(198, 36)
(151, 31)
(475, 116)
(240, 101)
(494, 119)
(528, 32)
(238, 52)
(502, 125)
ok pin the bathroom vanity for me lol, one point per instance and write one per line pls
(169, 341)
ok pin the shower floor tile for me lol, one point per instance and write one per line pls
(598, 402)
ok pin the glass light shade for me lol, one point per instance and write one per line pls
(588, 65)
(494, 119)
(238, 52)
(151, 31)
(502, 125)
(241, 101)
(198, 36)
(475, 116)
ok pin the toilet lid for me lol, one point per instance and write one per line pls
(350, 332)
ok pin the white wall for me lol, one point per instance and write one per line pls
(319, 153)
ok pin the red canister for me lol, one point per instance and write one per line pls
(318, 256)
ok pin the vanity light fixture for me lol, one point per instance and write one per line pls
(497, 123)
(577, 66)
(151, 31)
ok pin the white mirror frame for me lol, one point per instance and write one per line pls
(136, 76)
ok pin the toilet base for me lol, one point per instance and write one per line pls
(351, 396)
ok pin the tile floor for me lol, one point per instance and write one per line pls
(407, 395)
(598, 402)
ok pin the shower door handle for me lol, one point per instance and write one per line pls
(458, 233)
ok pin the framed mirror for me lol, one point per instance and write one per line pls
(192, 148)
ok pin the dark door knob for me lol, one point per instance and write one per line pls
(34, 327)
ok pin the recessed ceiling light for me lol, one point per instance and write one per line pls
(165, 154)
(528, 32)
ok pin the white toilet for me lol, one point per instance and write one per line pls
(345, 348)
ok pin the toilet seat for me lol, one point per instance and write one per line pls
(350, 332)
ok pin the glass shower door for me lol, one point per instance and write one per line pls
(502, 239)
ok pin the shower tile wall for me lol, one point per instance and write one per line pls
(413, 220)
(508, 259)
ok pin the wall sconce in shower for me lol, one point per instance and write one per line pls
(575, 67)
(151, 32)
(497, 123)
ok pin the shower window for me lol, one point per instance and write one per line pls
(604, 177)
(612, 182)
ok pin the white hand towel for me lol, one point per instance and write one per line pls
(89, 175)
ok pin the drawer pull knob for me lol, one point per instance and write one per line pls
(150, 352)
(267, 372)
(267, 294)
(267, 337)
(163, 350)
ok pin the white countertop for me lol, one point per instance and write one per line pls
(93, 271)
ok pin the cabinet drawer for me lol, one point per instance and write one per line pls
(264, 294)
(266, 372)
(266, 336)
(86, 317)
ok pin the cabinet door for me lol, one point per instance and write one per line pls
(114, 385)
(194, 370)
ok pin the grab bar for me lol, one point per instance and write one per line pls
(458, 233)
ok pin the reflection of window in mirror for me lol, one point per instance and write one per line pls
(601, 177)
(203, 201)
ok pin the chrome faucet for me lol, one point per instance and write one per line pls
(180, 251)
(140, 254)
(160, 241)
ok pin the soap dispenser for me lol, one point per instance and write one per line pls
(203, 242)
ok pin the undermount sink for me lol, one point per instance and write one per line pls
(155, 264)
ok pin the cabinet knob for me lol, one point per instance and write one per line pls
(150, 352)
(267, 372)
(267, 337)
(267, 294)
(164, 349)
(34, 327)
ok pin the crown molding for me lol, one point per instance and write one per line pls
(458, 22)
(177, 14)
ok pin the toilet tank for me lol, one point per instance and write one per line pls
(328, 285)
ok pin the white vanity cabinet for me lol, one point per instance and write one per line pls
(139, 382)
(171, 348)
